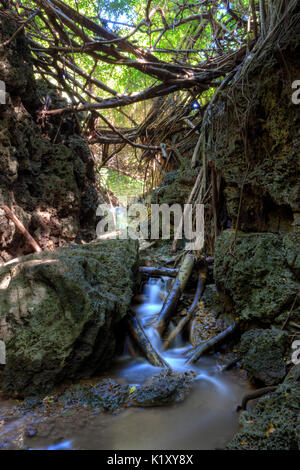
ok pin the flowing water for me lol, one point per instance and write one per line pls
(206, 419)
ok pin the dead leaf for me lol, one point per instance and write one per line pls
(270, 430)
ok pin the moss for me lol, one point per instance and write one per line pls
(254, 274)
(64, 325)
(273, 424)
(262, 353)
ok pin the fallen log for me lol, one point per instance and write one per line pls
(256, 394)
(210, 343)
(142, 340)
(21, 228)
(158, 272)
(175, 293)
(184, 321)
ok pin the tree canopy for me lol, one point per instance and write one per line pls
(133, 68)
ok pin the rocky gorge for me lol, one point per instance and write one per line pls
(64, 311)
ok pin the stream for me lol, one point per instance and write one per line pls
(206, 419)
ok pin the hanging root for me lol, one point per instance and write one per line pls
(158, 272)
(210, 343)
(184, 321)
(142, 340)
(256, 394)
(189, 201)
(175, 293)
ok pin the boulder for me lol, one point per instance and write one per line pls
(257, 275)
(262, 354)
(59, 311)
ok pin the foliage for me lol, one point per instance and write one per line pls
(123, 186)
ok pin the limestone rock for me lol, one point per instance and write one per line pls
(258, 277)
(262, 354)
(58, 312)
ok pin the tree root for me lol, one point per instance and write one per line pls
(175, 293)
(190, 312)
(21, 228)
(256, 394)
(230, 364)
(197, 352)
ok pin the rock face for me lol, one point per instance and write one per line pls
(58, 312)
(262, 354)
(46, 171)
(176, 186)
(261, 279)
(254, 143)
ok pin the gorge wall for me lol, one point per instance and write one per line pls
(46, 170)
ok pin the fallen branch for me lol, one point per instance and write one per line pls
(175, 293)
(157, 272)
(190, 312)
(142, 340)
(210, 343)
(21, 228)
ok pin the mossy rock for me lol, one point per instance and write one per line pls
(262, 354)
(256, 274)
(59, 311)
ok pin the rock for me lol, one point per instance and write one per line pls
(110, 396)
(176, 186)
(258, 278)
(16, 66)
(163, 390)
(274, 423)
(46, 171)
(262, 354)
(58, 312)
(106, 395)
(261, 152)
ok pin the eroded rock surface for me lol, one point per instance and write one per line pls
(262, 354)
(46, 170)
(59, 310)
(258, 273)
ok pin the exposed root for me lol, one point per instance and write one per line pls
(210, 343)
(21, 228)
(256, 394)
(175, 293)
(184, 321)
